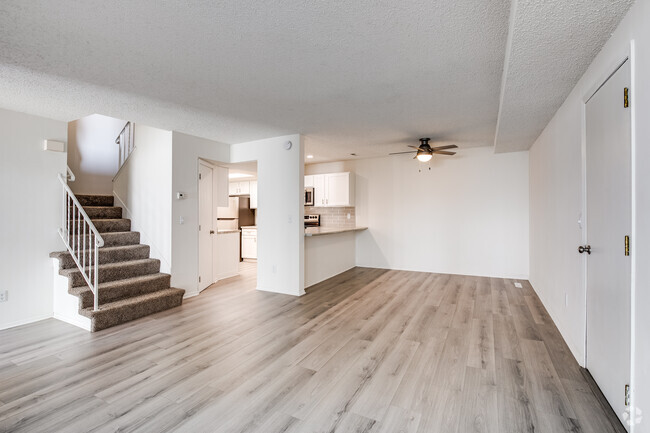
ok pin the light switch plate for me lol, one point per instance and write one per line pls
(53, 145)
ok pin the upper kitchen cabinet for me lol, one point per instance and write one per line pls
(309, 181)
(333, 189)
(253, 191)
(239, 188)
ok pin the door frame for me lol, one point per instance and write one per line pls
(628, 55)
(204, 163)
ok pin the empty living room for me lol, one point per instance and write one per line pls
(306, 217)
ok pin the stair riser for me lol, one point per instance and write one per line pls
(128, 270)
(141, 252)
(131, 312)
(86, 299)
(104, 226)
(95, 200)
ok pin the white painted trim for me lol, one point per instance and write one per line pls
(633, 263)
(263, 289)
(25, 321)
(76, 321)
(190, 294)
(519, 277)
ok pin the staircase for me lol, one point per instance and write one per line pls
(130, 283)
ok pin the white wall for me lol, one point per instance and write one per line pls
(143, 188)
(31, 214)
(186, 151)
(556, 195)
(280, 226)
(92, 153)
(467, 215)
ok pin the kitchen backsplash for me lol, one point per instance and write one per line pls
(333, 216)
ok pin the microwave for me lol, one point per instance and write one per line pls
(309, 196)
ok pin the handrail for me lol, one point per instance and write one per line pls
(126, 142)
(74, 222)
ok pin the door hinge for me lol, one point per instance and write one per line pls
(199, 279)
(626, 97)
(627, 395)
(627, 245)
(199, 176)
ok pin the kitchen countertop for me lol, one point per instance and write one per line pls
(223, 232)
(249, 227)
(319, 231)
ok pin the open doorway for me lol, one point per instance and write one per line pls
(228, 221)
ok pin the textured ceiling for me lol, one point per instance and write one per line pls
(366, 76)
(551, 45)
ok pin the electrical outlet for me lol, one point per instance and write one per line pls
(4, 295)
(518, 285)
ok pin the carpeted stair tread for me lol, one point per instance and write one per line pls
(113, 239)
(95, 200)
(103, 225)
(120, 253)
(106, 212)
(120, 289)
(114, 271)
(125, 310)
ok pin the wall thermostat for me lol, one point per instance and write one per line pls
(180, 195)
(288, 145)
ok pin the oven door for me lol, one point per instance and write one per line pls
(309, 196)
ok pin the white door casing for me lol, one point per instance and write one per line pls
(609, 220)
(205, 226)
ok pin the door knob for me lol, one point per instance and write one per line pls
(211, 232)
(586, 248)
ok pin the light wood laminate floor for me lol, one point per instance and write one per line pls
(367, 351)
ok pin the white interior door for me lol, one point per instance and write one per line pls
(609, 203)
(206, 228)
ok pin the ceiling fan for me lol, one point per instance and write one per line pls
(424, 152)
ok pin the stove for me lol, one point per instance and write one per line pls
(312, 220)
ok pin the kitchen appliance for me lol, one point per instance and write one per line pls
(309, 196)
(312, 220)
(235, 215)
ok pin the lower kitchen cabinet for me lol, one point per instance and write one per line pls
(249, 243)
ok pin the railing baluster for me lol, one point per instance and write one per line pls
(74, 237)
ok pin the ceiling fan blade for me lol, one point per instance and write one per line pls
(414, 147)
(444, 152)
(399, 153)
(451, 146)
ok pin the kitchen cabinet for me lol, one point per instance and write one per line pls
(253, 191)
(333, 189)
(239, 188)
(249, 243)
(221, 180)
(309, 181)
(227, 255)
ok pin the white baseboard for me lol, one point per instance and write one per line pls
(80, 321)
(25, 321)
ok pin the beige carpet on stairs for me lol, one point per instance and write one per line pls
(130, 282)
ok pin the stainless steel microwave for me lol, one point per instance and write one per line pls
(309, 196)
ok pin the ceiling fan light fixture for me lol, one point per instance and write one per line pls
(424, 157)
